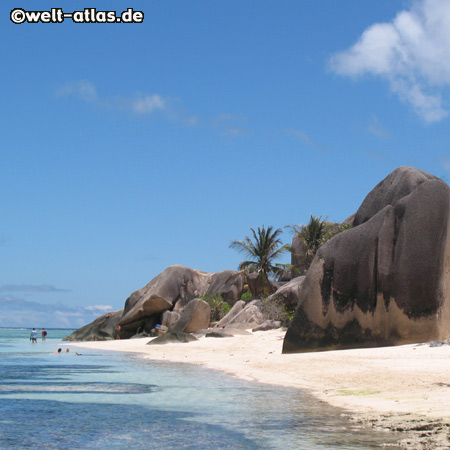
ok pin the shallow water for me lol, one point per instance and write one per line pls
(109, 400)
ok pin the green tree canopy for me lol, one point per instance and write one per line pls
(262, 250)
(315, 233)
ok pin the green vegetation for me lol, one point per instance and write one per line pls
(314, 235)
(263, 249)
(246, 296)
(274, 309)
(219, 307)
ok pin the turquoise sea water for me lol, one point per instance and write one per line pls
(112, 400)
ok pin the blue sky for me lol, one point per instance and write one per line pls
(126, 148)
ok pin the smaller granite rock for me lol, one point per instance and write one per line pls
(170, 318)
(171, 337)
(268, 325)
(159, 330)
(218, 334)
(193, 317)
(290, 292)
(234, 311)
(249, 317)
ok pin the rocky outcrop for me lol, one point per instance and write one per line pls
(164, 299)
(101, 329)
(173, 289)
(386, 281)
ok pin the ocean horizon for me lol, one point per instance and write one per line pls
(108, 400)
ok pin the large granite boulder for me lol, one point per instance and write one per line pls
(397, 185)
(173, 289)
(386, 281)
(101, 329)
(228, 284)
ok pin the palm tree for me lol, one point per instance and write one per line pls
(315, 234)
(263, 249)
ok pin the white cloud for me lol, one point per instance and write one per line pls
(140, 104)
(236, 131)
(376, 128)
(304, 137)
(82, 88)
(412, 53)
(18, 312)
(143, 104)
(102, 308)
(146, 104)
(191, 120)
(31, 288)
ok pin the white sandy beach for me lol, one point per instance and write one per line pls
(376, 382)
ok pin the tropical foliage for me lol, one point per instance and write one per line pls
(314, 234)
(275, 309)
(219, 307)
(246, 296)
(263, 250)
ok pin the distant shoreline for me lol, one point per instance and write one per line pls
(389, 387)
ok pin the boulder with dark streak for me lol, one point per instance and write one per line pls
(386, 281)
(170, 292)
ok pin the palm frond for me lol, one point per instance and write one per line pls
(262, 248)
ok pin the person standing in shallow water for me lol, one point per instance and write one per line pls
(43, 334)
(33, 336)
